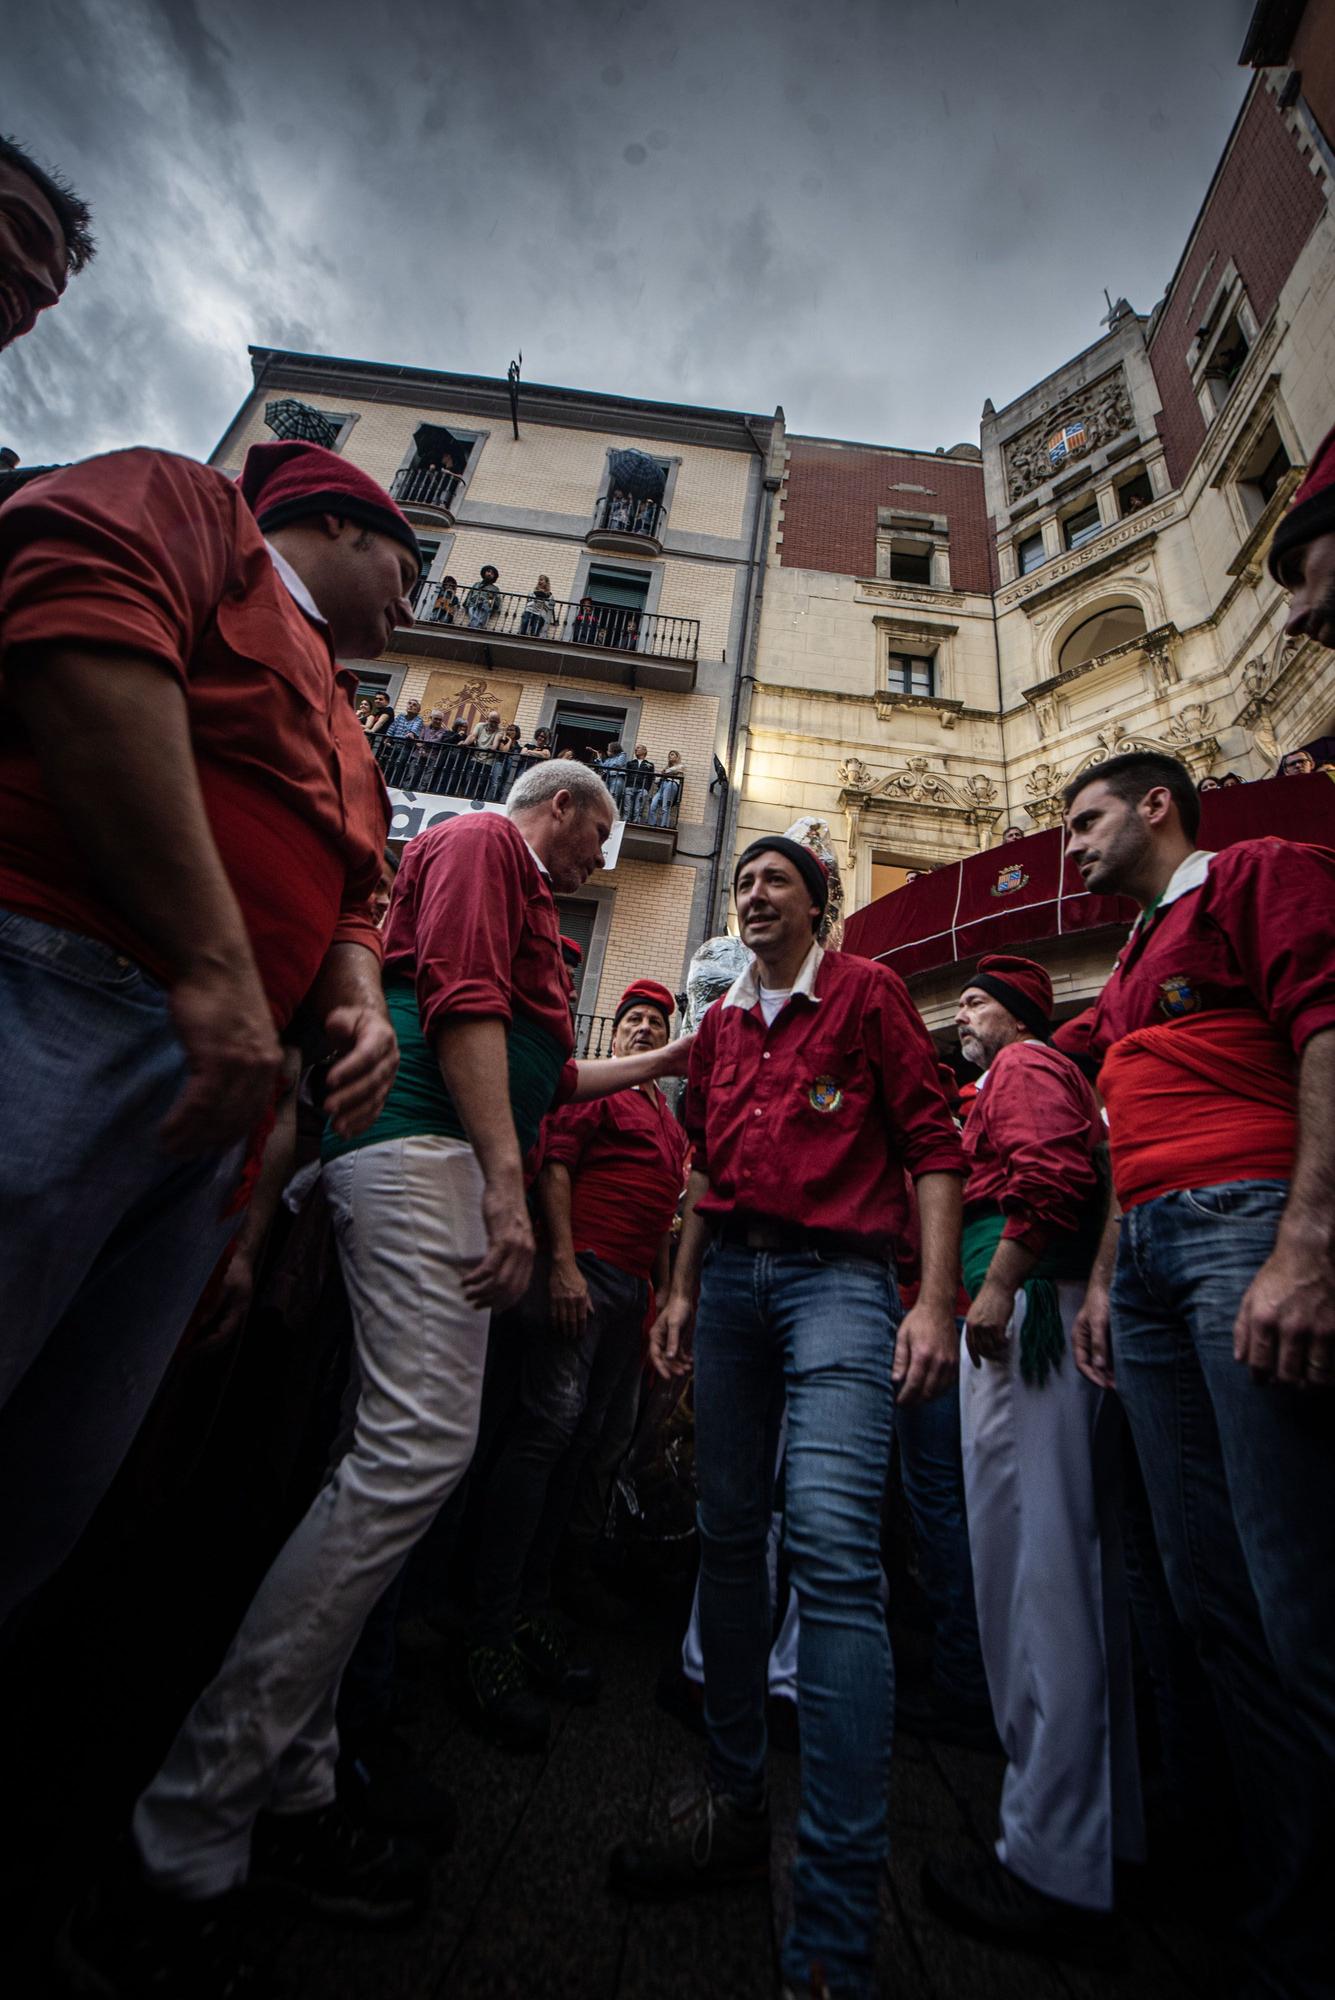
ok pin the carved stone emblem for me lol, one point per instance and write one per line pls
(1093, 416)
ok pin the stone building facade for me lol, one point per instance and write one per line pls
(947, 638)
(673, 584)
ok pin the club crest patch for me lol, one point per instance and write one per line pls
(825, 1094)
(1009, 880)
(1177, 997)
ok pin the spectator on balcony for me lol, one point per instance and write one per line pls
(1230, 778)
(646, 517)
(45, 239)
(364, 711)
(1208, 785)
(1302, 764)
(539, 750)
(540, 611)
(587, 623)
(1012, 833)
(409, 724)
(483, 600)
(667, 791)
(445, 606)
(433, 734)
(566, 756)
(639, 782)
(620, 512)
(485, 743)
(611, 768)
(382, 714)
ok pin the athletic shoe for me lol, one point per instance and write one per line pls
(541, 1645)
(502, 1700)
(339, 1869)
(710, 1843)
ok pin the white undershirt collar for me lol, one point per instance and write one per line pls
(297, 590)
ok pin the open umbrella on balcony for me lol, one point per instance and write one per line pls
(290, 419)
(637, 475)
(437, 447)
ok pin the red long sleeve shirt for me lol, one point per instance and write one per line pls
(815, 1120)
(627, 1158)
(149, 555)
(1030, 1139)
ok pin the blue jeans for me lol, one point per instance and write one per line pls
(664, 799)
(928, 1436)
(820, 1331)
(105, 1241)
(1241, 1484)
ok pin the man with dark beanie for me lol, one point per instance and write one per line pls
(179, 872)
(812, 1092)
(612, 1174)
(1302, 550)
(1041, 1448)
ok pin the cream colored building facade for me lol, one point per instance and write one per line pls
(1124, 506)
(529, 492)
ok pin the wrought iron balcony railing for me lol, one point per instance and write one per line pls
(513, 615)
(426, 486)
(622, 514)
(462, 771)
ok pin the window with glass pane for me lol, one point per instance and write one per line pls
(911, 673)
(1080, 528)
(1134, 494)
(1029, 553)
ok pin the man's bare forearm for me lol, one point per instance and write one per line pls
(474, 1062)
(940, 1206)
(600, 1076)
(1308, 1224)
(694, 1239)
(554, 1193)
(1011, 1264)
(112, 738)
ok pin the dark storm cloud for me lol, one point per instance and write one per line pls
(877, 211)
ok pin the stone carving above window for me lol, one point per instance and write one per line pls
(917, 784)
(1092, 417)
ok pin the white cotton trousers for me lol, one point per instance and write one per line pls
(1041, 1483)
(408, 1218)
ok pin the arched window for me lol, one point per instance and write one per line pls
(1099, 633)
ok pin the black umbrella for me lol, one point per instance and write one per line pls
(291, 419)
(438, 447)
(637, 475)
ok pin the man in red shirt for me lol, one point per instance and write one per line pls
(812, 1090)
(612, 1174)
(191, 827)
(1216, 1033)
(433, 1232)
(1041, 1461)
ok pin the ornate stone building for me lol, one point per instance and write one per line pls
(947, 638)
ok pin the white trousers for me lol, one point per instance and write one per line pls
(408, 1217)
(1040, 1480)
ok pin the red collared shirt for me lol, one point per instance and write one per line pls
(473, 924)
(815, 1120)
(1250, 927)
(155, 556)
(1030, 1139)
(627, 1159)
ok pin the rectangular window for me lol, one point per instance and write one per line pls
(1262, 472)
(911, 566)
(1030, 553)
(912, 673)
(1077, 529)
(1134, 494)
(579, 727)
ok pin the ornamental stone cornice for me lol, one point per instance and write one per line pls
(877, 589)
(914, 793)
(1159, 647)
(1107, 551)
(948, 713)
(1189, 737)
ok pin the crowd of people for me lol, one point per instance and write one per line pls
(536, 614)
(1117, 1302)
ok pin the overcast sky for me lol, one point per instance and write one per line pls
(877, 212)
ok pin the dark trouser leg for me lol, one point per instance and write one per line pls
(928, 1436)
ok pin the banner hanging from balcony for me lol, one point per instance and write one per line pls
(289, 419)
(414, 812)
(637, 475)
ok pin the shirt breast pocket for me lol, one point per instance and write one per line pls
(832, 1083)
(723, 1074)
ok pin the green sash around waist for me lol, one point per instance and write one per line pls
(1070, 1256)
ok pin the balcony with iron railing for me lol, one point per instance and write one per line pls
(630, 525)
(587, 639)
(463, 771)
(430, 489)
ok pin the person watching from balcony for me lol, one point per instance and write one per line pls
(611, 768)
(540, 611)
(1302, 764)
(408, 724)
(483, 600)
(1229, 779)
(1012, 833)
(587, 623)
(45, 240)
(667, 791)
(445, 606)
(433, 734)
(487, 734)
(382, 714)
(539, 749)
(566, 757)
(364, 711)
(178, 876)
(639, 782)
(620, 512)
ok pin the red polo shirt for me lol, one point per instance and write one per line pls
(627, 1157)
(144, 553)
(1030, 1139)
(815, 1120)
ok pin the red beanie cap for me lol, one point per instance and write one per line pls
(1022, 987)
(645, 993)
(290, 482)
